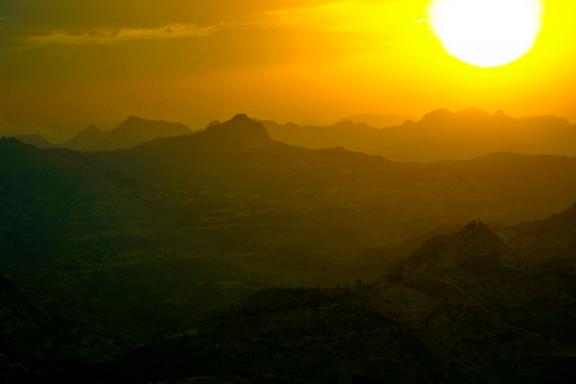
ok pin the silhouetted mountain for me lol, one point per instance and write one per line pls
(36, 140)
(240, 154)
(440, 135)
(239, 131)
(378, 121)
(131, 132)
(87, 140)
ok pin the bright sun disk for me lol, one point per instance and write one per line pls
(487, 33)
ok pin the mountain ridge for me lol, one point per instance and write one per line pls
(440, 135)
(132, 131)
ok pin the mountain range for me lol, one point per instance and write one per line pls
(192, 258)
(439, 135)
(131, 132)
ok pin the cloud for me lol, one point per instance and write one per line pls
(341, 16)
(371, 17)
(105, 36)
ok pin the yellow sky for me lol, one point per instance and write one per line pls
(72, 64)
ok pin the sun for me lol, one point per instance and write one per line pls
(487, 33)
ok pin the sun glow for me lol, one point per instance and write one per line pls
(487, 33)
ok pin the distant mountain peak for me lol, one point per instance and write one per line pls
(141, 124)
(241, 117)
(132, 131)
(133, 118)
(87, 139)
(132, 121)
(239, 129)
(472, 112)
(438, 115)
(443, 115)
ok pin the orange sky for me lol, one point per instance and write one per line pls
(72, 63)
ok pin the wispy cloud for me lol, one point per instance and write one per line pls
(105, 36)
(372, 17)
(339, 16)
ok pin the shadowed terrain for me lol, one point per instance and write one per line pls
(193, 256)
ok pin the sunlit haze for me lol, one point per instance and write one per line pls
(69, 64)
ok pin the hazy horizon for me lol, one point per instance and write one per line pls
(58, 131)
(70, 65)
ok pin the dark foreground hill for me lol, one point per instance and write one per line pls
(464, 308)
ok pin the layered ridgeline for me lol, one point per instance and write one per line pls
(131, 132)
(465, 307)
(440, 135)
(152, 238)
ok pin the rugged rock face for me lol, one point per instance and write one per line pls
(460, 309)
